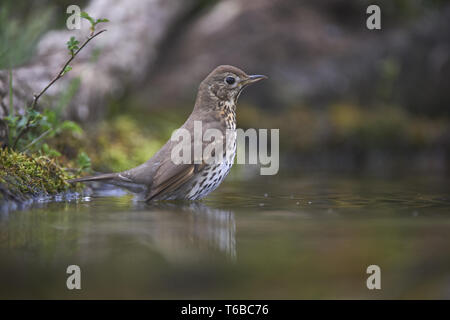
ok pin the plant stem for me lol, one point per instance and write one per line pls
(61, 73)
(37, 140)
(56, 78)
(11, 108)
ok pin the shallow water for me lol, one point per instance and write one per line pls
(307, 236)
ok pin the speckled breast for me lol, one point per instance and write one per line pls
(212, 175)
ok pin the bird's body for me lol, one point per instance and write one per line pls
(160, 178)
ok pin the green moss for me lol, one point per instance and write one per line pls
(122, 144)
(25, 176)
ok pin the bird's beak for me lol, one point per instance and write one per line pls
(254, 78)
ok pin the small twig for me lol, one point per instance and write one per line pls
(56, 78)
(43, 135)
(11, 107)
(61, 73)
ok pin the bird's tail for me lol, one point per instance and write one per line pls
(106, 177)
(115, 179)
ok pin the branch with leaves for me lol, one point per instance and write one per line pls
(93, 22)
(32, 118)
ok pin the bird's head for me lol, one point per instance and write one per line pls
(227, 82)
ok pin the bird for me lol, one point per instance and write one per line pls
(161, 178)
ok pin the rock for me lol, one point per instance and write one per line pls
(126, 53)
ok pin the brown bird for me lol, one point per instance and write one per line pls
(160, 178)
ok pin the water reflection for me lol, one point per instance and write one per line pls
(181, 223)
(320, 234)
(177, 231)
(194, 223)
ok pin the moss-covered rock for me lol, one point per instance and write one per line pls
(23, 177)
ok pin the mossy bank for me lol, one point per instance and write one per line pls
(25, 177)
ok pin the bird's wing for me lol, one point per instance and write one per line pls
(171, 176)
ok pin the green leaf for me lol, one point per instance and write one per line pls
(50, 152)
(101, 20)
(72, 45)
(33, 114)
(86, 16)
(45, 148)
(22, 122)
(66, 69)
(83, 160)
(50, 116)
(71, 126)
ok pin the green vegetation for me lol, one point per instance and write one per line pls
(28, 166)
(31, 175)
(19, 35)
(122, 143)
(33, 127)
(93, 21)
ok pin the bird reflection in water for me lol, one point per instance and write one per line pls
(195, 223)
(97, 227)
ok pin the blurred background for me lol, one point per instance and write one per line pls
(344, 97)
(364, 144)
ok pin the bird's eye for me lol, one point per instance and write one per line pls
(230, 80)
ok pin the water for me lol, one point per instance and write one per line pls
(305, 236)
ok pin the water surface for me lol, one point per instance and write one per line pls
(304, 236)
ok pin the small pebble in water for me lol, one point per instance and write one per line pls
(297, 203)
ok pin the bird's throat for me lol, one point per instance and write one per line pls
(228, 113)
